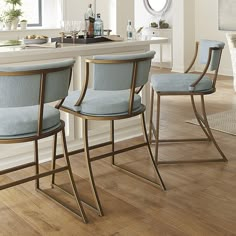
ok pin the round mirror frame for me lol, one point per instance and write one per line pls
(156, 13)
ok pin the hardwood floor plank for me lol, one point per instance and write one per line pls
(11, 224)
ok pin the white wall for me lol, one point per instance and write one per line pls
(74, 9)
(199, 20)
(178, 36)
(48, 14)
(206, 26)
(183, 34)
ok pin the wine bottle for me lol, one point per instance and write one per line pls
(129, 30)
(89, 21)
(98, 26)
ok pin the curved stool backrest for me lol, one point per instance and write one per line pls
(209, 55)
(118, 72)
(28, 85)
(205, 45)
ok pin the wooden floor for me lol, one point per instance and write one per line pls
(200, 198)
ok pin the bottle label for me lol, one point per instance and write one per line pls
(129, 35)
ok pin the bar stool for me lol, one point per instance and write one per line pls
(193, 85)
(117, 82)
(25, 117)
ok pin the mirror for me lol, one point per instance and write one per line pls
(157, 7)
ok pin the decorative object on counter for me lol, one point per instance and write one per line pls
(89, 22)
(107, 32)
(89, 12)
(98, 26)
(138, 34)
(35, 39)
(129, 30)
(70, 29)
(90, 31)
(23, 24)
(11, 16)
(7, 25)
(163, 24)
(140, 29)
(70, 26)
(154, 25)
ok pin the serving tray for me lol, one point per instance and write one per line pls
(81, 40)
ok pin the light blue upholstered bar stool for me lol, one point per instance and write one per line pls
(117, 81)
(193, 85)
(25, 117)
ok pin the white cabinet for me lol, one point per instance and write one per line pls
(163, 56)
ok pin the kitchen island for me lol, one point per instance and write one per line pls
(99, 131)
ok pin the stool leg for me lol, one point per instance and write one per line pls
(72, 181)
(209, 130)
(90, 171)
(151, 117)
(199, 118)
(54, 152)
(112, 138)
(36, 159)
(157, 127)
(150, 153)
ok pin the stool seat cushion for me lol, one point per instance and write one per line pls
(23, 121)
(102, 103)
(179, 83)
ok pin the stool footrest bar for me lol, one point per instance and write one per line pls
(21, 181)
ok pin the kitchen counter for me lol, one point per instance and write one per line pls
(12, 54)
(98, 131)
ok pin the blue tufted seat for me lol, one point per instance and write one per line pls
(191, 84)
(180, 83)
(20, 94)
(19, 122)
(102, 103)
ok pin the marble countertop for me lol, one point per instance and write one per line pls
(11, 54)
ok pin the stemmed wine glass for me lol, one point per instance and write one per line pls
(71, 28)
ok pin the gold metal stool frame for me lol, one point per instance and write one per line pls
(201, 117)
(112, 154)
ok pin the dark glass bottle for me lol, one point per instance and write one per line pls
(89, 21)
